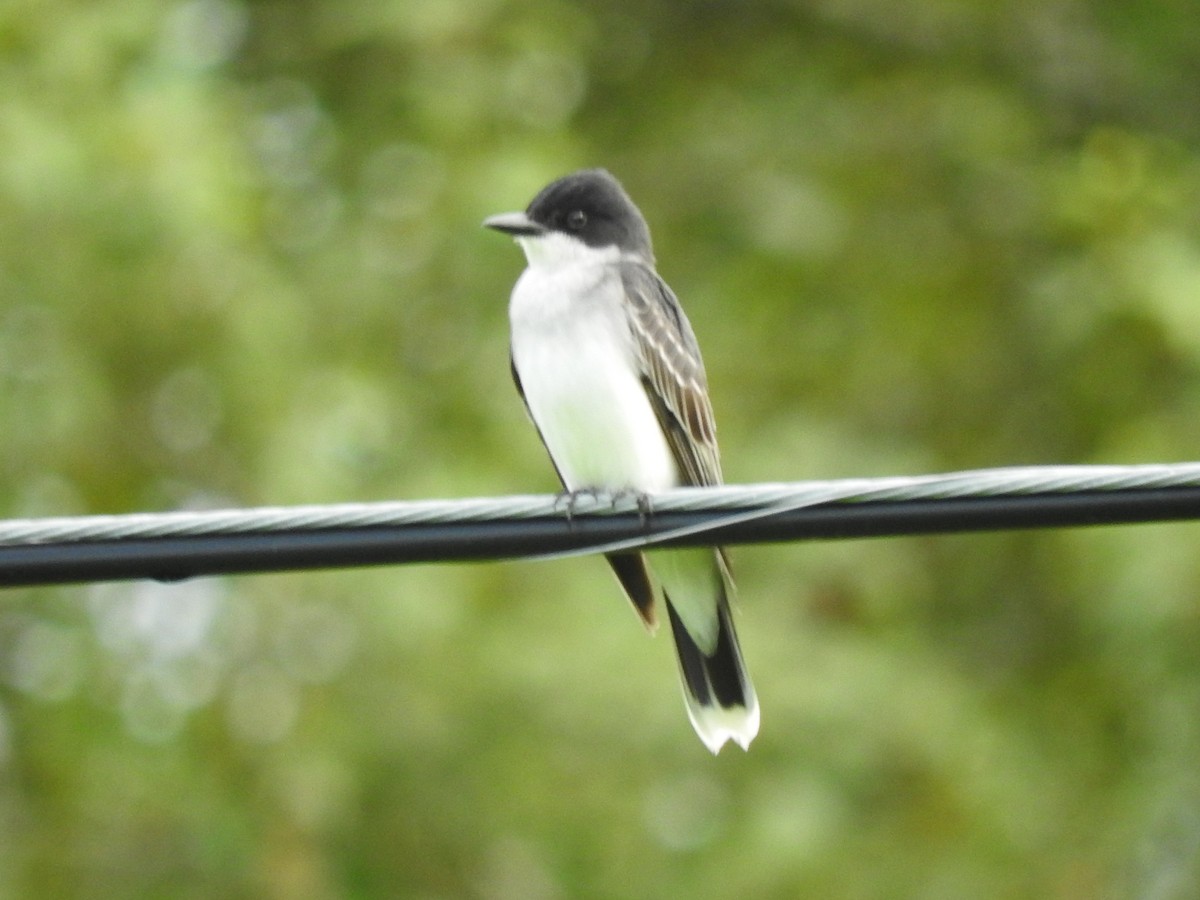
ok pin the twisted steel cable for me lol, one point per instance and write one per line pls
(175, 545)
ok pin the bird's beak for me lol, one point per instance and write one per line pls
(515, 223)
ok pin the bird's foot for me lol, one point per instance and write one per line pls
(570, 499)
(644, 507)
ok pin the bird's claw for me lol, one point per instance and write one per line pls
(570, 499)
(644, 507)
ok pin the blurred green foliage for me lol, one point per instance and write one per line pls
(240, 263)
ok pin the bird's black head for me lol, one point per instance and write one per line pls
(591, 206)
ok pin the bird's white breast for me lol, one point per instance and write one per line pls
(575, 357)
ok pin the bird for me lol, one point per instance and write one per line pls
(610, 373)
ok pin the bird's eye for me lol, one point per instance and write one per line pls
(576, 219)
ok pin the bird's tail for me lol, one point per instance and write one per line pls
(716, 687)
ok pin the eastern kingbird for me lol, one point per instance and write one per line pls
(611, 375)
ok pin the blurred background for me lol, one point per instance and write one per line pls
(241, 264)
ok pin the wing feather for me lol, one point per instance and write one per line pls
(673, 373)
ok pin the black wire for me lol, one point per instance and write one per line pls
(174, 558)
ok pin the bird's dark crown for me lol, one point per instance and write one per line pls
(592, 206)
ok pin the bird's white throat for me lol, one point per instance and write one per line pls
(554, 250)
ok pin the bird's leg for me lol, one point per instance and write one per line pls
(570, 498)
(644, 507)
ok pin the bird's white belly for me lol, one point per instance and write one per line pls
(581, 385)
